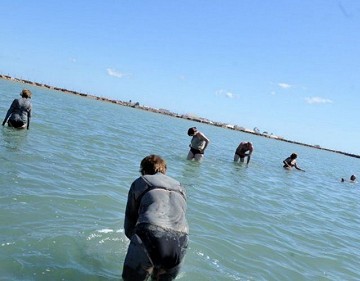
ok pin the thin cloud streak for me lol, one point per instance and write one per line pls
(317, 100)
(117, 74)
(284, 85)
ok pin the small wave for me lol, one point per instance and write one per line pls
(106, 230)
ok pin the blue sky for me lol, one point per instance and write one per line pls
(290, 68)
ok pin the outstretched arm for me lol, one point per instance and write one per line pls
(298, 168)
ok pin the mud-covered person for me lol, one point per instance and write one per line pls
(19, 113)
(155, 223)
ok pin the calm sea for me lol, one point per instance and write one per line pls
(64, 184)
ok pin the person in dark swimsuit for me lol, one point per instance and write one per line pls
(241, 150)
(290, 162)
(19, 113)
(198, 144)
(155, 222)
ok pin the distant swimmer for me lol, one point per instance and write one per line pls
(156, 224)
(352, 179)
(241, 150)
(19, 113)
(291, 162)
(199, 143)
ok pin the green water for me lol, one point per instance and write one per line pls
(64, 184)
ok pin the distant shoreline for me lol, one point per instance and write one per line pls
(169, 113)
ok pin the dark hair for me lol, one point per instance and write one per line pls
(26, 94)
(293, 156)
(192, 131)
(152, 164)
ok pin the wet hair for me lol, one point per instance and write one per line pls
(26, 94)
(192, 131)
(293, 156)
(353, 177)
(152, 164)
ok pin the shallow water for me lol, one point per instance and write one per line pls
(64, 184)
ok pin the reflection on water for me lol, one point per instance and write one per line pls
(191, 169)
(13, 139)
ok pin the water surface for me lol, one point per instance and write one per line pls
(64, 184)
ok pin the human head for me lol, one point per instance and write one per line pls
(152, 164)
(293, 156)
(353, 178)
(25, 93)
(192, 131)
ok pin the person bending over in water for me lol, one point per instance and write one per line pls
(155, 223)
(198, 144)
(241, 150)
(19, 113)
(291, 162)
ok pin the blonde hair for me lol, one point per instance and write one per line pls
(26, 94)
(152, 164)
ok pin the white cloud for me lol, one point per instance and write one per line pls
(317, 100)
(284, 85)
(115, 73)
(227, 94)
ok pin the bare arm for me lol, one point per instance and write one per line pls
(249, 155)
(298, 168)
(203, 137)
(286, 164)
(248, 158)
